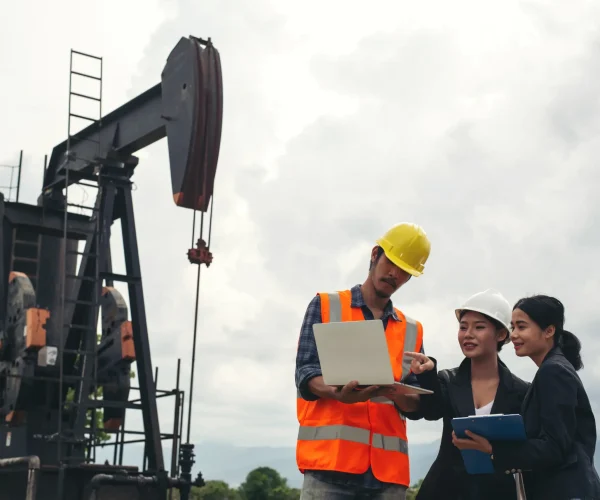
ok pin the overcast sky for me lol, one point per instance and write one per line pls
(477, 120)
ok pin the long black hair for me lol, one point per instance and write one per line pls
(549, 311)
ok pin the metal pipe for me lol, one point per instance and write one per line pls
(19, 175)
(520, 486)
(100, 480)
(180, 428)
(176, 438)
(33, 467)
(174, 449)
(121, 449)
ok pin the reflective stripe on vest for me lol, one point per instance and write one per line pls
(354, 434)
(335, 308)
(410, 343)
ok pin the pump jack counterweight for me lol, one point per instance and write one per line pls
(57, 283)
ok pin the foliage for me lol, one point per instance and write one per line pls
(215, 490)
(265, 483)
(262, 483)
(100, 436)
(411, 494)
(212, 490)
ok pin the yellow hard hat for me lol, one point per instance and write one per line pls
(407, 246)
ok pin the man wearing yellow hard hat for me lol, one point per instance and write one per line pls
(354, 441)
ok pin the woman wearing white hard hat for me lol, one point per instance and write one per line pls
(482, 384)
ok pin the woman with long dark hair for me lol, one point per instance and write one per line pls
(559, 422)
(482, 384)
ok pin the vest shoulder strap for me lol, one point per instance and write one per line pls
(334, 304)
(411, 337)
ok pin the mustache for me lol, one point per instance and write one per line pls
(389, 281)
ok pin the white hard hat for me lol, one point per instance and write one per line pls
(491, 303)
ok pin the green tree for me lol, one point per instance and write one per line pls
(265, 483)
(262, 483)
(212, 490)
(215, 490)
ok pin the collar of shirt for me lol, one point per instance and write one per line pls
(359, 301)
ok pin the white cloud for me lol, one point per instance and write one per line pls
(478, 122)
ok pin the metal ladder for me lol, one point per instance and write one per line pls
(86, 355)
(25, 254)
(11, 186)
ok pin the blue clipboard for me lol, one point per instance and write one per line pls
(491, 427)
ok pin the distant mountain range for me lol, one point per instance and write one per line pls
(231, 464)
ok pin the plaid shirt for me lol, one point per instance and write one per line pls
(308, 367)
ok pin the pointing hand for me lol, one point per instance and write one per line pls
(420, 363)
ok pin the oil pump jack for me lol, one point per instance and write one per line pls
(52, 360)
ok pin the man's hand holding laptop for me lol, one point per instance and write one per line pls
(350, 393)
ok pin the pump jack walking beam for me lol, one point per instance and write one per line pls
(186, 107)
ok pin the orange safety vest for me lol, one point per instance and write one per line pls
(351, 437)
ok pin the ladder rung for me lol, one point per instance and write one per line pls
(83, 278)
(100, 403)
(86, 76)
(75, 115)
(28, 243)
(86, 96)
(25, 259)
(82, 302)
(81, 327)
(77, 252)
(85, 55)
(120, 277)
(78, 351)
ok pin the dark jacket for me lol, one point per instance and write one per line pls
(561, 432)
(447, 478)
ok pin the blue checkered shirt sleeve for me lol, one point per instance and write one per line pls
(307, 357)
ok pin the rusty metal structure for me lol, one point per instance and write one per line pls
(66, 333)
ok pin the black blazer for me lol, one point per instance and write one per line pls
(561, 432)
(447, 478)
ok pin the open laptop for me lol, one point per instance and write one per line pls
(357, 350)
